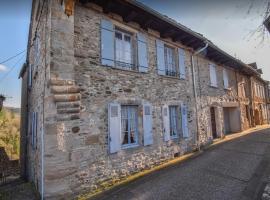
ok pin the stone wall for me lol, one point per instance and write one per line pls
(75, 90)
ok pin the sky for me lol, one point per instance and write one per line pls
(228, 24)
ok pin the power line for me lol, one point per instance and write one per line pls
(11, 69)
(12, 57)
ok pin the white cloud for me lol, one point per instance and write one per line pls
(3, 68)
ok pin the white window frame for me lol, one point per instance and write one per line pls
(170, 70)
(213, 72)
(136, 128)
(225, 78)
(120, 63)
(178, 125)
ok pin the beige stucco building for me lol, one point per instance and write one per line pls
(113, 88)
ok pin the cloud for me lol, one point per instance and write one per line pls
(3, 68)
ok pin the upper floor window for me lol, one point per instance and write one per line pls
(225, 79)
(170, 64)
(129, 124)
(123, 50)
(213, 75)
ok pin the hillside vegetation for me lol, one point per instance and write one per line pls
(10, 133)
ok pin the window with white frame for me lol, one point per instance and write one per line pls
(174, 121)
(123, 50)
(225, 79)
(129, 125)
(170, 64)
(213, 75)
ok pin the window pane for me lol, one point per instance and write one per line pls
(129, 119)
(123, 50)
(170, 67)
(173, 121)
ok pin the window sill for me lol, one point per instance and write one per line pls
(129, 146)
(125, 70)
(170, 77)
(213, 86)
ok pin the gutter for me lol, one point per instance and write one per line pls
(195, 93)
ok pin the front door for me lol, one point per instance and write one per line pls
(213, 122)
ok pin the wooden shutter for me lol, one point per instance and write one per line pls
(166, 122)
(213, 75)
(184, 121)
(147, 124)
(142, 53)
(36, 129)
(181, 63)
(225, 79)
(33, 120)
(107, 43)
(160, 57)
(114, 116)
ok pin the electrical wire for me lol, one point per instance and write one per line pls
(11, 68)
(10, 58)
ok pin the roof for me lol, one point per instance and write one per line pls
(131, 10)
(267, 23)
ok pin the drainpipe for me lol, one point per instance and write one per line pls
(195, 92)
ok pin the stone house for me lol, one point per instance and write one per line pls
(112, 87)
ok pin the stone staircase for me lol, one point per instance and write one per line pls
(67, 98)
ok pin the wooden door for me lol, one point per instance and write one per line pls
(213, 122)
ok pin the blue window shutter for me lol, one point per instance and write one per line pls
(142, 53)
(160, 57)
(147, 124)
(114, 117)
(29, 76)
(166, 122)
(32, 128)
(36, 129)
(182, 67)
(184, 121)
(107, 43)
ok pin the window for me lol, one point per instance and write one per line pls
(174, 121)
(123, 50)
(213, 75)
(225, 79)
(129, 124)
(170, 66)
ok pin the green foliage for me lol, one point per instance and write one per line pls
(10, 133)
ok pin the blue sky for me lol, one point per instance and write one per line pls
(226, 23)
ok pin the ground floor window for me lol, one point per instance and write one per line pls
(129, 125)
(174, 121)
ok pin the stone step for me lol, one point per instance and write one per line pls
(67, 97)
(68, 110)
(61, 82)
(66, 89)
(73, 104)
(68, 117)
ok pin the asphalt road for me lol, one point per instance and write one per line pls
(236, 169)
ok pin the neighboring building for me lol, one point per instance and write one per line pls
(259, 98)
(112, 87)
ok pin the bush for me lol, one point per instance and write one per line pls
(10, 133)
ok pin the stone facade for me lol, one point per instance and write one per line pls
(71, 91)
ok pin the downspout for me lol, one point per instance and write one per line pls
(195, 93)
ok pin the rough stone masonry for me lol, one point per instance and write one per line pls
(82, 106)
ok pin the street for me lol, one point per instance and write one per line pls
(235, 169)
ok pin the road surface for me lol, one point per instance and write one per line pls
(235, 169)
